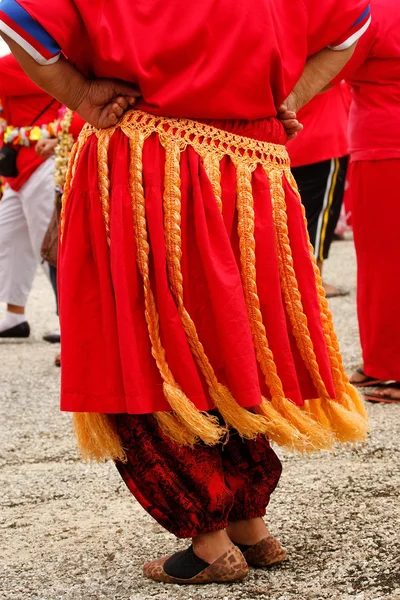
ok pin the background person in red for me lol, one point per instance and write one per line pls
(27, 203)
(167, 225)
(374, 76)
(319, 159)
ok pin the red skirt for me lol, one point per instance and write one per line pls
(209, 282)
(375, 205)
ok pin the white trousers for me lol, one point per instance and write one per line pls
(24, 218)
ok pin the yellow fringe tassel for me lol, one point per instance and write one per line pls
(97, 437)
(246, 423)
(348, 426)
(199, 424)
(301, 423)
(281, 431)
(171, 426)
(358, 401)
(314, 408)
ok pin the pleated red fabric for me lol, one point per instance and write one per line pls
(107, 360)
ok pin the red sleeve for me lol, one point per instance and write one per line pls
(44, 33)
(14, 81)
(62, 23)
(335, 23)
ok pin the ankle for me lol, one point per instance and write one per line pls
(210, 546)
(11, 319)
(247, 533)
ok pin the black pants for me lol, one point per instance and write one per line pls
(321, 187)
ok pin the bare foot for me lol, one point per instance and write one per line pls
(248, 532)
(359, 378)
(333, 291)
(387, 394)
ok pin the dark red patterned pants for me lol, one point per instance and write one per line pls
(194, 491)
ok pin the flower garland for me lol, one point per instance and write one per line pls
(63, 150)
(27, 136)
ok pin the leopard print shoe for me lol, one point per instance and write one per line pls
(230, 567)
(266, 553)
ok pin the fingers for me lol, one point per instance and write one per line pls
(117, 109)
(110, 116)
(123, 102)
(290, 123)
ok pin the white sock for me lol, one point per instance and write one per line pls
(11, 320)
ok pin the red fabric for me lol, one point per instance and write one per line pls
(212, 59)
(196, 491)
(376, 214)
(325, 134)
(77, 124)
(107, 360)
(22, 101)
(374, 76)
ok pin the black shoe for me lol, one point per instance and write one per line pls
(19, 331)
(52, 338)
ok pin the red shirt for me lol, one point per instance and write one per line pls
(22, 101)
(210, 59)
(374, 76)
(325, 134)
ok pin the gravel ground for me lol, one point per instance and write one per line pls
(71, 531)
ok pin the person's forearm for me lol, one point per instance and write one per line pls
(61, 80)
(100, 102)
(319, 71)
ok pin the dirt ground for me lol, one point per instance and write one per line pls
(71, 531)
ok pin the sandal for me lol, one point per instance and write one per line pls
(368, 381)
(266, 553)
(230, 567)
(385, 395)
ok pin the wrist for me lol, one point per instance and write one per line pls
(78, 94)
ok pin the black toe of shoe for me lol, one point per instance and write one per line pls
(52, 338)
(19, 331)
